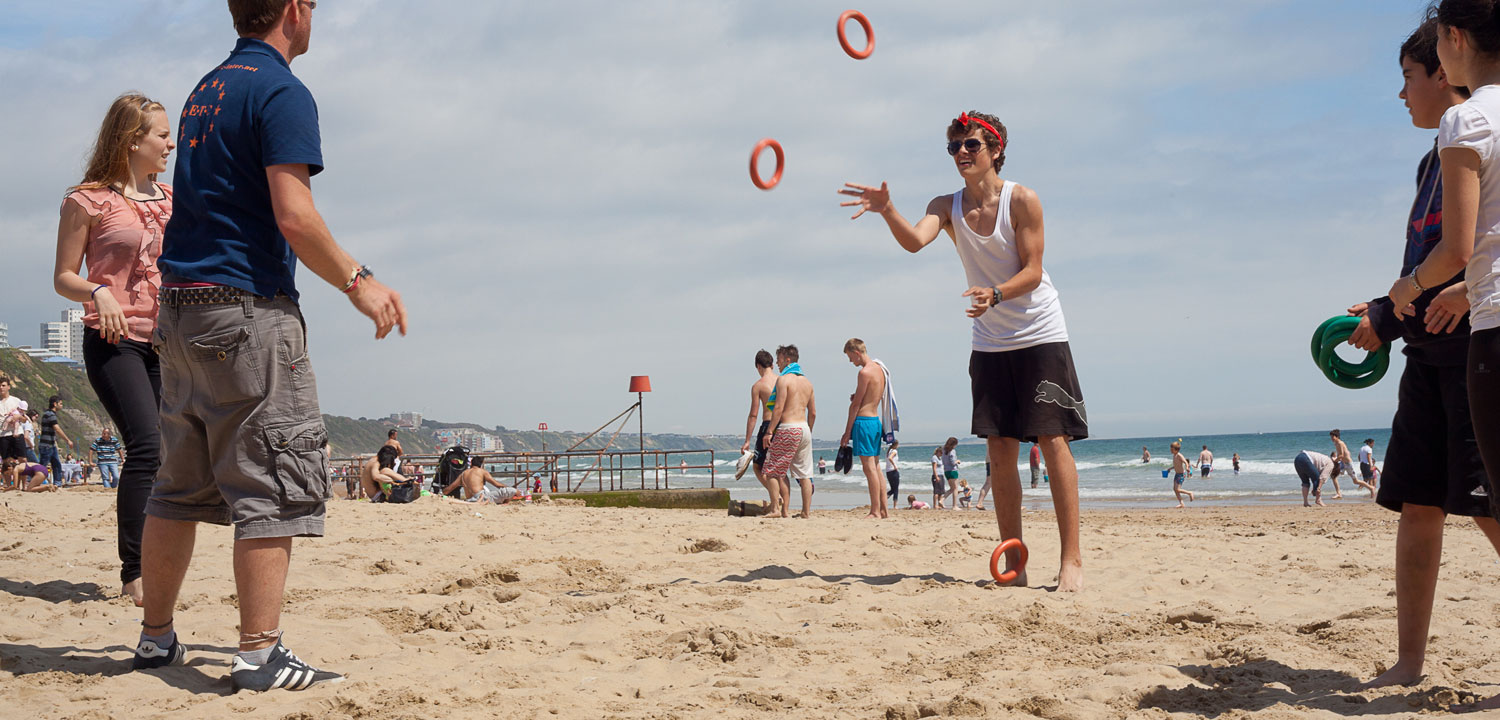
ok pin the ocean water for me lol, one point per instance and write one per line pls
(1110, 472)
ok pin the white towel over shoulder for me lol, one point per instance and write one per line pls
(890, 419)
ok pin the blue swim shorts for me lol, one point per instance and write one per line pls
(866, 436)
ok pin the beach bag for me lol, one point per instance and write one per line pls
(403, 493)
(452, 464)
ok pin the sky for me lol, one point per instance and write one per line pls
(560, 192)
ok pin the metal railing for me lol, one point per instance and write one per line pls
(570, 471)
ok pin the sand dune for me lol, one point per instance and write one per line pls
(436, 610)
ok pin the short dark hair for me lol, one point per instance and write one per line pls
(787, 351)
(53, 401)
(763, 359)
(957, 130)
(391, 434)
(1369, 441)
(476, 461)
(1334, 432)
(1421, 47)
(1476, 17)
(253, 18)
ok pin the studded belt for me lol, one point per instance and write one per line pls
(215, 295)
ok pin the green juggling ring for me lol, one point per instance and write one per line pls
(1325, 341)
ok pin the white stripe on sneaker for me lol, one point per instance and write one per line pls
(281, 678)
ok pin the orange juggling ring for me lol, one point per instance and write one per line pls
(1008, 575)
(755, 160)
(869, 34)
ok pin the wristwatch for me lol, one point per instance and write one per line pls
(996, 298)
(363, 271)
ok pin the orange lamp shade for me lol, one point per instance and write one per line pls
(640, 383)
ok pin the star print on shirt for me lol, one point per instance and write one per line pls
(193, 143)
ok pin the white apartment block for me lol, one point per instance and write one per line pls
(66, 336)
(4, 336)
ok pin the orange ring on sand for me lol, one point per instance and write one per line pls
(1008, 575)
(755, 161)
(864, 22)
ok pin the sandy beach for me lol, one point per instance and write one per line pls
(437, 610)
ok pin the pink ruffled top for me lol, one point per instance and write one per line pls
(121, 252)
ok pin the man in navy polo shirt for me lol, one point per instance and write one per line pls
(242, 434)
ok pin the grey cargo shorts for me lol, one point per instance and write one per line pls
(242, 437)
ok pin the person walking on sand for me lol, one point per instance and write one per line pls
(1022, 378)
(762, 404)
(863, 430)
(243, 440)
(893, 473)
(1036, 465)
(1433, 464)
(789, 438)
(950, 472)
(1205, 462)
(1180, 470)
(1313, 469)
(1367, 463)
(1344, 463)
(937, 477)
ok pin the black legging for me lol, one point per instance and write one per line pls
(1484, 404)
(893, 484)
(127, 379)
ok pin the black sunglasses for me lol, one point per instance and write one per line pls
(971, 144)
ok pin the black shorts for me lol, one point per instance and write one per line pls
(1366, 470)
(760, 447)
(1027, 393)
(1432, 459)
(13, 447)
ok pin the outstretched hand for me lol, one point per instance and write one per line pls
(870, 199)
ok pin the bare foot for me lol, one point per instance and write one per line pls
(1402, 674)
(1179, 504)
(1070, 578)
(1338, 497)
(804, 515)
(1321, 503)
(981, 507)
(872, 516)
(133, 589)
(1018, 581)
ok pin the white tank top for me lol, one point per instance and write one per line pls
(1021, 322)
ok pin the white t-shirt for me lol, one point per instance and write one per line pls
(10, 425)
(1475, 125)
(1365, 454)
(1035, 318)
(890, 460)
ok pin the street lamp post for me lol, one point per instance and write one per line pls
(641, 384)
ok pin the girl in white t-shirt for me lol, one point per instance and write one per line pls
(1469, 146)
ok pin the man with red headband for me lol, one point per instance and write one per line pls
(1021, 371)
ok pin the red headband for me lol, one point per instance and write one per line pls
(964, 118)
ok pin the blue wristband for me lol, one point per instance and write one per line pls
(96, 291)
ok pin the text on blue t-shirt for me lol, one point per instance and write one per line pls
(246, 115)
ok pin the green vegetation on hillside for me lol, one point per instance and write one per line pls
(35, 381)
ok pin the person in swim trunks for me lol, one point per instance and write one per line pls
(789, 439)
(762, 404)
(1205, 462)
(1180, 469)
(863, 429)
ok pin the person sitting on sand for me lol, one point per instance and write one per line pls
(378, 475)
(1180, 469)
(1313, 468)
(479, 486)
(789, 438)
(912, 503)
(965, 494)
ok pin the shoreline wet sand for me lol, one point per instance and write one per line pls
(443, 610)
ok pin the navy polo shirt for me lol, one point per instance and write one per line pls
(247, 114)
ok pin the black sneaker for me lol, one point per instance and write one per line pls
(282, 670)
(149, 655)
